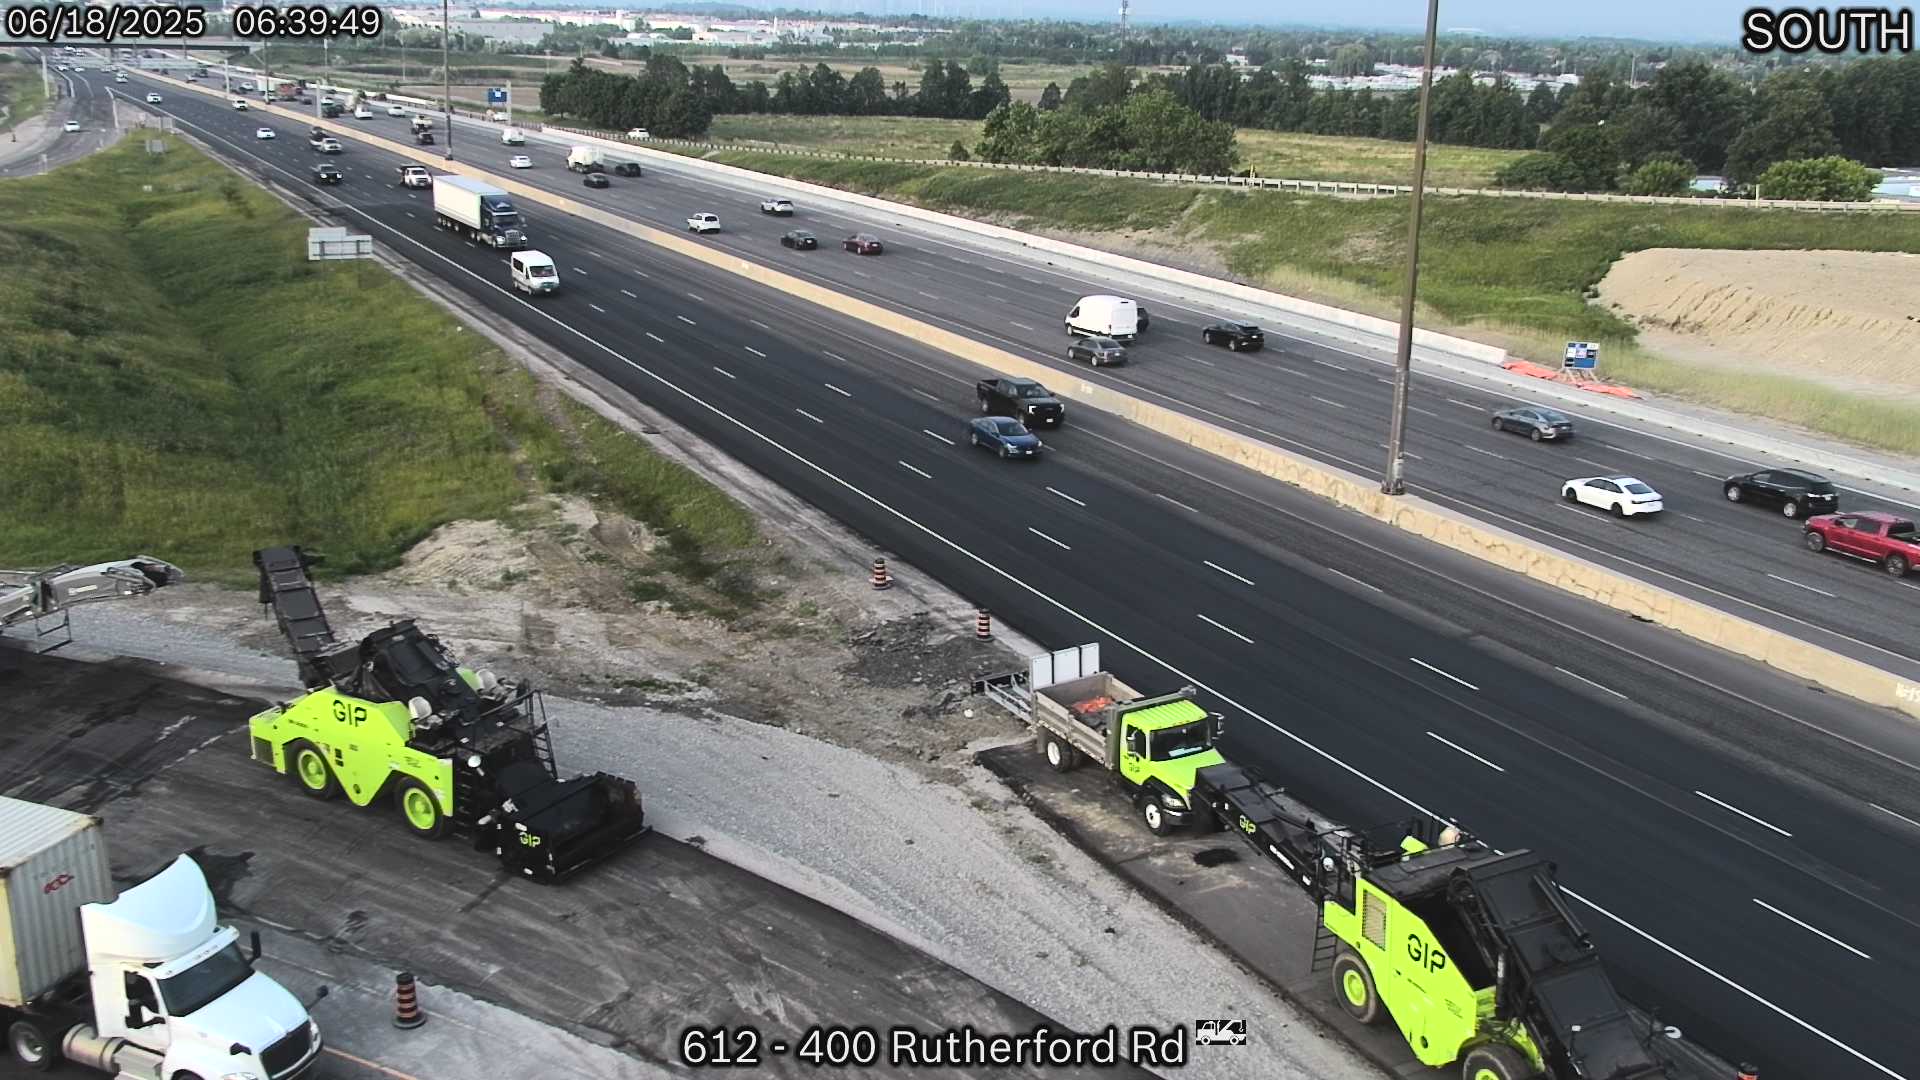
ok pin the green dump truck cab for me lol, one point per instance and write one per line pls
(1154, 746)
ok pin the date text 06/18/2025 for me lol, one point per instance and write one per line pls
(106, 24)
(744, 1047)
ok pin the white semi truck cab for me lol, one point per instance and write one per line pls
(145, 985)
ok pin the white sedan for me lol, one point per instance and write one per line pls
(71, 125)
(520, 161)
(1623, 495)
(395, 110)
(153, 99)
(263, 133)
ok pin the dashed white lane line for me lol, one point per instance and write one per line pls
(597, 307)
(1048, 539)
(644, 274)
(836, 390)
(1066, 496)
(1237, 397)
(1743, 813)
(861, 273)
(656, 337)
(724, 371)
(1228, 629)
(1443, 674)
(755, 351)
(686, 320)
(1226, 571)
(833, 356)
(1355, 580)
(696, 298)
(1624, 450)
(1708, 475)
(760, 324)
(1798, 585)
(928, 295)
(596, 254)
(1891, 813)
(1202, 360)
(1290, 371)
(1464, 750)
(1422, 412)
(579, 271)
(624, 292)
(1327, 363)
(1489, 453)
(1176, 502)
(1811, 929)
(1589, 461)
(1470, 405)
(1591, 683)
(937, 435)
(810, 416)
(924, 394)
(1327, 401)
(1021, 325)
(409, 213)
(910, 468)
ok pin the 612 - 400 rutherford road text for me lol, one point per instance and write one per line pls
(745, 1047)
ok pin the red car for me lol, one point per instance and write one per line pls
(1872, 535)
(861, 244)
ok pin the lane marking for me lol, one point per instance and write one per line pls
(834, 356)
(1593, 684)
(1355, 580)
(1489, 453)
(1228, 629)
(1464, 750)
(1048, 539)
(596, 255)
(1021, 325)
(656, 337)
(1327, 401)
(1809, 588)
(1708, 475)
(1811, 929)
(579, 271)
(1437, 671)
(626, 293)
(1334, 366)
(755, 351)
(926, 294)
(1423, 412)
(836, 390)
(924, 394)
(1378, 379)
(1475, 408)
(910, 468)
(1743, 813)
(1589, 461)
(696, 298)
(1237, 397)
(1289, 371)
(1902, 817)
(810, 416)
(723, 371)
(365, 1064)
(1226, 571)
(1176, 502)
(1202, 360)
(862, 273)
(942, 438)
(644, 274)
(1066, 496)
(760, 324)
(1629, 453)
(597, 307)
(686, 320)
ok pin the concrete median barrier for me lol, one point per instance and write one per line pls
(1350, 490)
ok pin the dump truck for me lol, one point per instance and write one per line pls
(478, 211)
(143, 986)
(1152, 745)
(394, 717)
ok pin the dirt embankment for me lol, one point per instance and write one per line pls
(1849, 319)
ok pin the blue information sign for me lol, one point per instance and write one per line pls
(496, 95)
(1582, 356)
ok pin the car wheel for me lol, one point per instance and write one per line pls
(1206, 336)
(1733, 493)
(984, 406)
(1233, 344)
(1005, 451)
(1567, 494)
(1790, 508)
(1897, 565)
(1620, 510)
(973, 438)
(1499, 424)
(1815, 542)
(31, 1045)
(1534, 434)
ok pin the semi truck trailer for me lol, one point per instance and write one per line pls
(478, 211)
(145, 985)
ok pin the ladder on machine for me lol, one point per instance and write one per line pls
(45, 598)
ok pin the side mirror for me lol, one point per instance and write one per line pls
(136, 1015)
(240, 1050)
(254, 940)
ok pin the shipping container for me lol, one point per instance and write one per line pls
(51, 862)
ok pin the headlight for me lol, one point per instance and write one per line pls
(1171, 801)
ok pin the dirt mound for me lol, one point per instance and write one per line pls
(1849, 319)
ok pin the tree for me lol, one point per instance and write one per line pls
(1536, 172)
(992, 94)
(1665, 175)
(957, 152)
(1708, 106)
(1591, 151)
(1541, 105)
(1163, 135)
(1009, 134)
(867, 93)
(1824, 179)
(933, 87)
(1793, 124)
(1648, 130)
(1050, 97)
(827, 91)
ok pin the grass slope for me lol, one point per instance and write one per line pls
(1514, 271)
(21, 90)
(176, 378)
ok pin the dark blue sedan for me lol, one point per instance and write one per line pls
(1004, 436)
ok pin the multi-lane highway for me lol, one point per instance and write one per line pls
(1746, 845)
(91, 107)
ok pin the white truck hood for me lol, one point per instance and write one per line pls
(257, 1013)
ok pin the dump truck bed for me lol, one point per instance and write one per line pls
(1087, 700)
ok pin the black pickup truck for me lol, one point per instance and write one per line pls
(1023, 399)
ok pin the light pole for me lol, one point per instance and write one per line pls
(446, 77)
(1394, 484)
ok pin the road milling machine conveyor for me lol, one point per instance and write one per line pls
(44, 597)
(394, 716)
(1473, 954)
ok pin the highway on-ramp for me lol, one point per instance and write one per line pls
(1747, 844)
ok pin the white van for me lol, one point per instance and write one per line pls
(361, 112)
(1104, 316)
(513, 136)
(534, 273)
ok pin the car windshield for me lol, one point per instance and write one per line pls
(540, 271)
(1031, 390)
(191, 990)
(1009, 427)
(1638, 489)
(1180, 741)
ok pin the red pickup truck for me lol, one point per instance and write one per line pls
(1868, 534)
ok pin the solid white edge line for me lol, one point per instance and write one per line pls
(1224, 627)
(1443, 674)
(1743, 813)
(1048, 539)
(1810, 928)
(1066, 496)
(1464, 750)
(1224, 570)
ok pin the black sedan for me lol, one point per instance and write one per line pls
(327, 174)
(799, 240)
(1236, 336)
(594, 179)
(861, 244)
(1004, 436)
(1796, 493)
(1535, 423)
(424, 138)
(626, 168)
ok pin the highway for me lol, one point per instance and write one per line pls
(92, 107)
(1745, 844)
(1324, 401)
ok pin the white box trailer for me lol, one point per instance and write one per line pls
(51, 862)
(479, 211)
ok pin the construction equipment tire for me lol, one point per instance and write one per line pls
(32, 1046)
(1061, 757)
(419, 809)
(1493, 1061)
(309, 769)
(1353, 988)
(1153, 815)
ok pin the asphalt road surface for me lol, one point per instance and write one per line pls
(90, 105)
(1743, 844)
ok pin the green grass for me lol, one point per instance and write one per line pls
(910, 137)
(21, 91)
(1511, 271)
(176, 378)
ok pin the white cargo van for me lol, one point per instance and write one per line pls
(534, 273)
(1104, 316)
(513, 136)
